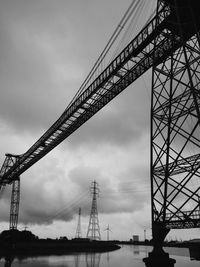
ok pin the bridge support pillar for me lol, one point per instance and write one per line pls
(158, 257)
(157, 261)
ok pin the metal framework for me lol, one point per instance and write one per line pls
(15, 195)
(78, 229)
(175, 128)
(169, 44)
(14, 205)
(93, 227)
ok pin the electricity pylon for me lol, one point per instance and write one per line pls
(78, 229)
(93, 228)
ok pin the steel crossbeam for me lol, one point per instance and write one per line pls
(182, 165)
(183, 220)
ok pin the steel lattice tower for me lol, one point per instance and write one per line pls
(78, 229)
(15, 194)
(14, 205)
(175, 125)
(93, 227)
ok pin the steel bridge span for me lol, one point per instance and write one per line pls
(170, 45)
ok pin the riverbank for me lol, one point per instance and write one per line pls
(55, 247)
(24, 243)
(184, 244)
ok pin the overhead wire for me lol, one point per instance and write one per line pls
(84, 198)
(107, 48)
(133, 22)
(136, 23)
(71, 205)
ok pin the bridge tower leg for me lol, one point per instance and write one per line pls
(175, 127)
(14, 205)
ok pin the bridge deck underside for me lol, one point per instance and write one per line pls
(179, 224)
(183, 220)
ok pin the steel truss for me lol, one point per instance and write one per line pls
(10, 161)
(175, 135)
(93, 232)
(170, 44)
(14, 207)
(78, 229)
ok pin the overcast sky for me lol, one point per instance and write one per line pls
(47, 49)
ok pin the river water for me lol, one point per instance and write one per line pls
(127, 256)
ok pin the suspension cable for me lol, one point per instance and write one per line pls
(107, 48)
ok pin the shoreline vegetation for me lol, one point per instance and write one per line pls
(24, 243)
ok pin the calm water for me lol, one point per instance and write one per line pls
(127, 256)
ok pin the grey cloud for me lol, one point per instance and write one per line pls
(31, 100)
(37, 86)
(125, 120)
(122, 199)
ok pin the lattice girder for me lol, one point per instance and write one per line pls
(175, 140)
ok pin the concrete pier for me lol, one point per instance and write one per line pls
(159, 260)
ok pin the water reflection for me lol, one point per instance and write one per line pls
(136, 250)
(108, 258)
(194, 253)
(127, 256)
(8, 261)
(76, 260)
(93, 259)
